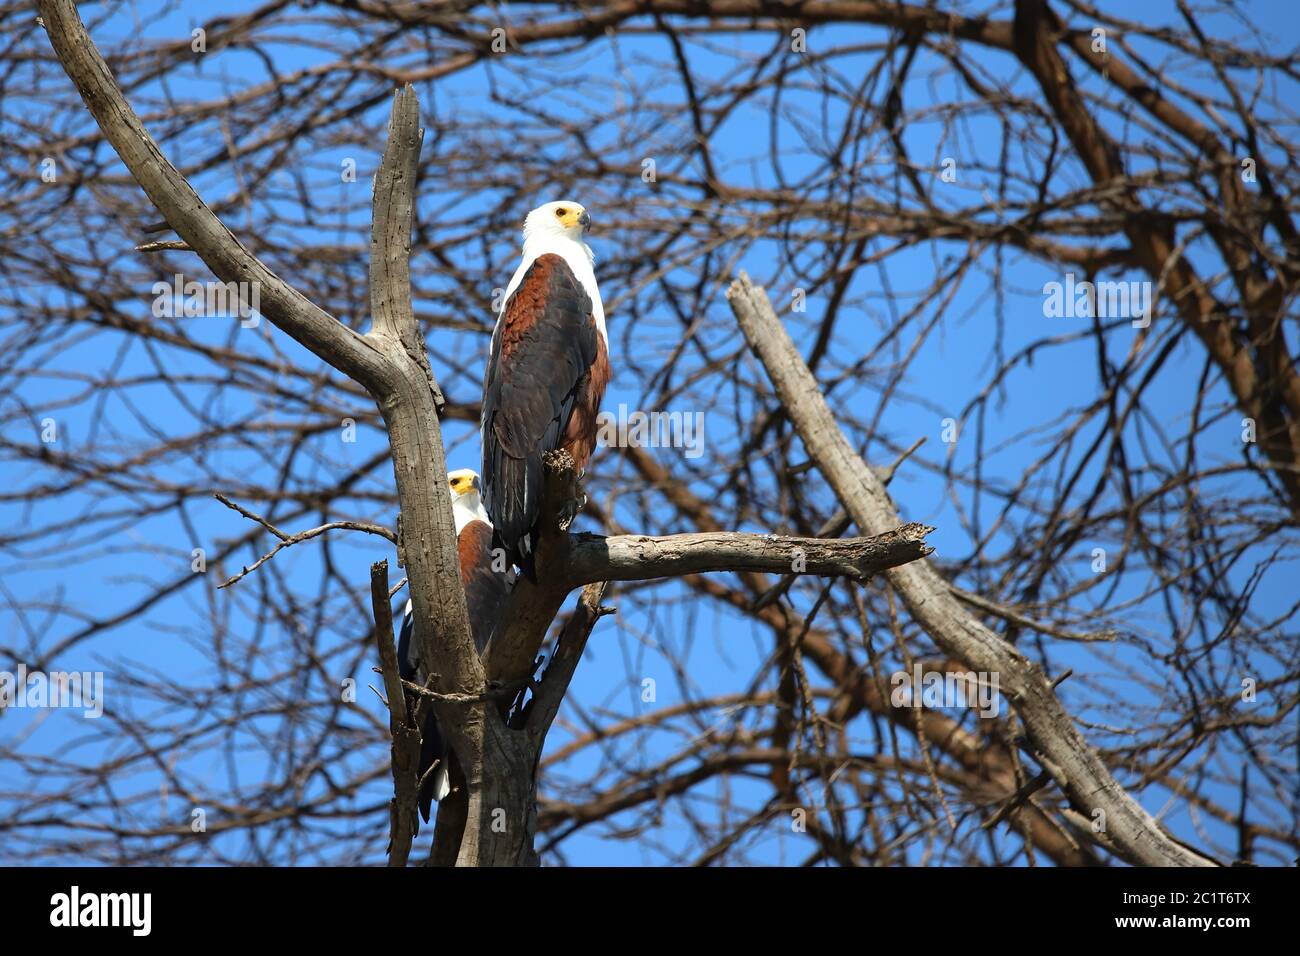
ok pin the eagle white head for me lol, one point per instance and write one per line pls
(558, 228)
(561, 219)
(466, 497)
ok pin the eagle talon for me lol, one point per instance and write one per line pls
(570, 510)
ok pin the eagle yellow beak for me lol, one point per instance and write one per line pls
(463, 484)
(573, 217)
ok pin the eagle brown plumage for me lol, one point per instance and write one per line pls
(486, 580)
(546, 375)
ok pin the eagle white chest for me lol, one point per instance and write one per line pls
(577, 255)
(467, 508)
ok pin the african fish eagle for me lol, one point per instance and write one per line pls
(546, 372)
(486, 586)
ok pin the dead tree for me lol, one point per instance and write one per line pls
(497, 762)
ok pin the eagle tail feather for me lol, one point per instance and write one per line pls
(432, 748)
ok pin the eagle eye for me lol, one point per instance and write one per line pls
(560, 212)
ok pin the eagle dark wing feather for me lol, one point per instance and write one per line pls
(431, 746)
(541, 353)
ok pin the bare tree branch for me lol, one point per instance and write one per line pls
(402, 726)
(1134, 833)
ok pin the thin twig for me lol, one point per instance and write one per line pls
(287, 540)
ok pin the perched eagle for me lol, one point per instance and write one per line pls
(546, 372)
(485, 594)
